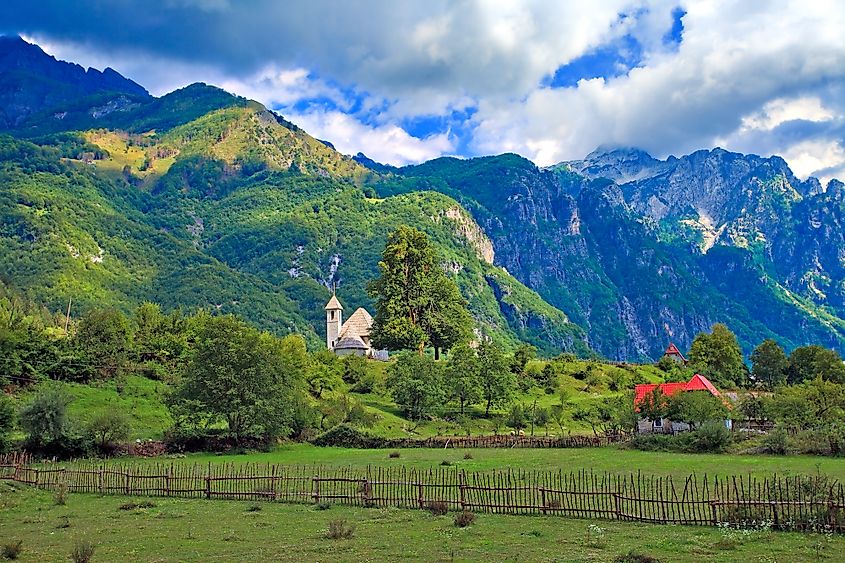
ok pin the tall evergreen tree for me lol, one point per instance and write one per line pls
(417, 304)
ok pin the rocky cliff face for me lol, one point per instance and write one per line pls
(659, 249)
(32, 81)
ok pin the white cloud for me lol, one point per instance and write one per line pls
(746, 75)
(781, 110)
(383, 143)
(737, 59)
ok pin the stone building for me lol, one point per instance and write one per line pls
(351, 337)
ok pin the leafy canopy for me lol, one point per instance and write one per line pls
(417, 304)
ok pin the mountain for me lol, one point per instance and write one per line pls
(203, 199)
(32, 82)
(633, 273)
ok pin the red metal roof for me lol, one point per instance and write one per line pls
(697, 383)
(673, 350)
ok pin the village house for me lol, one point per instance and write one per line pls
(674, 353)
(350, 338)
(641, 392)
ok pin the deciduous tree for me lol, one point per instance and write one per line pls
(769, 363)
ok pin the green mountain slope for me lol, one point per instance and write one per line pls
(237, 211)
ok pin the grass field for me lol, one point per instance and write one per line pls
(612, 459)
(200, 530)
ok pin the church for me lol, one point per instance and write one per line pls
(353, 336)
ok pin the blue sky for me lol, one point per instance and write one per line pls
(405, 82)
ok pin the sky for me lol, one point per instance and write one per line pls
(407, 81)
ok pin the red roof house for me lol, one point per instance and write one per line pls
(697, 383)
(673, 352)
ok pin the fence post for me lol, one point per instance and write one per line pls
(126, 482)
(365, 492)
(714, 512)
(420, 494)
(100, 481)
(315, 482)
(775, 520)
(208, 486)
(273, 483)
(462, 487)
(543, 499)
(617, 508)
(36, 478)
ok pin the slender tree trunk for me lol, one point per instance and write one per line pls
(487, 410)
(437, 352)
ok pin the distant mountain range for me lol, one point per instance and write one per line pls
(200, 198)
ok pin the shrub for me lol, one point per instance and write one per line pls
(146, 504)
(12, 550)
(45, 418)
(446, 463)
(82, 552)
(253, 508)
(468, 455)
(437, 507)
(711, 437)
(109, 426)
(812, 442)
(595, 536)
(340, 530)
(346, 436)
(634, 557)
(393, 455)
(60, 495)
(776, 442)
(324, 505)
(464, 518)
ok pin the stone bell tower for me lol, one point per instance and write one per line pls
(334, 320)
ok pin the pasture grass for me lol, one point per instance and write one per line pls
(613, 459)
(201, 530)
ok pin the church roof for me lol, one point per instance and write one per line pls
(334, 304)
(350, 343)
(358, 325)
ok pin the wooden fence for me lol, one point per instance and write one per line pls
(804, 503)
(506, 441)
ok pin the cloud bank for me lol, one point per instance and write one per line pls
(408, 81)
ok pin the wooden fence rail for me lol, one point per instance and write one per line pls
(803, 503)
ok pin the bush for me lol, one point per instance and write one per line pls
(344, 435)
(634, 557)
(446, 463)
(324, 505)
(438, 507)
(468, 455)
(654, 442)
(128, 506)
(464, 519)
(109, 426)
(182, 440)
(711, 437)
(12, 550)
(776, 442)
(340, 529)
(253, 508)
(393, 455)
(60, 496)
(82, 552)
(45, 417)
